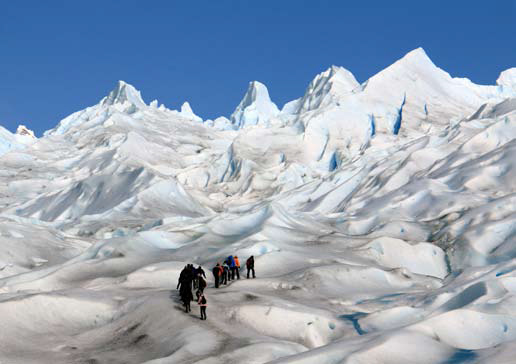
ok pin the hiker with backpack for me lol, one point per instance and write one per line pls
(185, 279)
(200, 272)
(201, 283)
(250, 266)
(225, 273)
(228, 263)
(197, 274)
(203, 303)
(232, 267)
(217, 274)
(184, 285)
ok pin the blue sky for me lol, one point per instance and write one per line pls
(57, 57)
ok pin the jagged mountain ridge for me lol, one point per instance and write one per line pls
(120, 128)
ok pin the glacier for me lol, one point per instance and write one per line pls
(256, 108)
(381, 215)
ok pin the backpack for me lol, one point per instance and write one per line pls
(230, 261)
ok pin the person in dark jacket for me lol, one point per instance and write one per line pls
(228, 263)
(186, 296)
(217, 274)
(200, 272)
(250, 266)
(196, 273)
(185, 277)
(202, 283)
(181, 277)
(225, 273)
(191, 276)
(184, 285)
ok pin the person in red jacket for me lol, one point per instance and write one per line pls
(217, 274)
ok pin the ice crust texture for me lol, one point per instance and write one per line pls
(381, 216)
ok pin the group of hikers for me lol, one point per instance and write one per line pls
(230, 268)
(195, 278)
(191, 277)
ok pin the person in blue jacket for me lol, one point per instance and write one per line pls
(232, 266)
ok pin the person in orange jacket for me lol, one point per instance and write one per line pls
(237, 268)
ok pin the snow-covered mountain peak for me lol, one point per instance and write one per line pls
(414, 65)
(123, 93)
(341, 80)
(255, 108)
(24, 131)
(187, 112)
(326, 87)
(417, 55)
(341, 75)
(430, 93)
(186, 108)
(124, 98)
(257, 93)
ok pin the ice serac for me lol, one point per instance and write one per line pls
(256, 108)
(336, 107)
(22, 130)
(291, 107)
(507, 79)
(327, 87)
(124, 93)
(124, 98)
(431, 93)
(220, 123)
(320, 115)
(7, 140)
(19, 140)
(187, 112)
